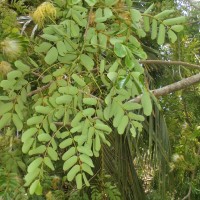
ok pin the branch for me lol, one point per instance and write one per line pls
(164, 62)
(39, 90)
(186, 82)
(188, 194)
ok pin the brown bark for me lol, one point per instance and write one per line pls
(39, 90)
(186, 82)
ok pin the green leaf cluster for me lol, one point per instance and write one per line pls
(77, 86)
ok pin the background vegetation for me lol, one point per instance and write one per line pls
(77, 118)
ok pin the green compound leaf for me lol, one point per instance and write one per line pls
(48, 163)
(47, 78)
(91, 2)
(102, 40)
(90, 135)
(4, 120)
(87, 168)
(146, 103)
(59, 72)
(31, 176)
(51, 38)
(148, 10)
(75, 30)
(35, 164)
(43, 109)
(43, 47)
(131, 106)
(85, 180)
(75, 1)
(118, 117)
(35, 188)
(7, 84)
(102, 66)
(65, 143)
(164, 14)
(97, 143)
(44, 137)
(70, 162)
(53, 127)
(79, 181)
(35, 120)
(61, 48)
(78, 80)
(77, 119)
(172, 36)
(64, 99)
(14, 74)
(68, 90)
(161, 35)
(73, 171)
(19, 111)
(137, 117)
(112, 76)
(27, 145)
(123, 124)
(133, 131)
(120, 50)
(52, 153)
(103, 127)
(39, 150)
(85, 150)
(38, 190)
(88, 112)
(173, 21)
(146, 23)
(6, 107)
(68, 154)
(154, 29)
(87, 62)
(86, 159)
(135, 15)
(141, 33)
(114, 66)
(52, 56)
(90, 101)
(21, 66)
(177, 28)
(17, 122)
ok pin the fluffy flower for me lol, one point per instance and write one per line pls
(176, 157)
(43, 12)
(5, 67)
(11, 48)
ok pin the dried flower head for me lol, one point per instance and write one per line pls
(176, 157)
(44, 12)
(5, 67)
(11, 48)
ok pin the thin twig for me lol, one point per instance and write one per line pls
(37, 74)
(39, 90)
(188, 194)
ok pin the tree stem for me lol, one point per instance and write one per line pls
(186, 82)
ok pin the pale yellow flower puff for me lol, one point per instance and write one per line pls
(5, 67)
(11, 48)
(44, 12)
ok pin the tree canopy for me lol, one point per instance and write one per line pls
(83, 111)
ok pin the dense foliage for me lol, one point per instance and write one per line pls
(70, 77)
